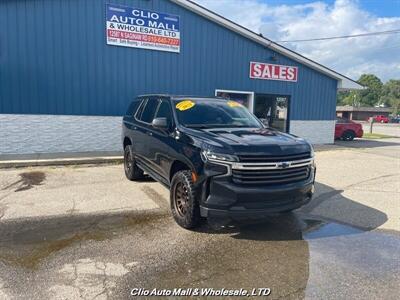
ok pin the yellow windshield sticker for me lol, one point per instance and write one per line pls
(234, 104)
(185, 105)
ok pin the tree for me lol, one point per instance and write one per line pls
(391, 95)
(371, 95)
(341, 96)
(367, 97)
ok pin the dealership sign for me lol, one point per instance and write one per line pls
(140, 28)
(273, 72)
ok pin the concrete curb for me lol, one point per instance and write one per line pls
(60, 161)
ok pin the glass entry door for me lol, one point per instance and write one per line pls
(273, 110)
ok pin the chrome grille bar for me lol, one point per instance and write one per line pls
(272, 166)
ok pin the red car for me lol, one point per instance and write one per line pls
(347, 130)
(381, 119)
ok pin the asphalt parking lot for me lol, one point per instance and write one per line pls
(85, 232)
(392, 129)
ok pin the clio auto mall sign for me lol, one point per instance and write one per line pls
(141, 28)
(273, 72)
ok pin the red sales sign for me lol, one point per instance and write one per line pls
(273, 72)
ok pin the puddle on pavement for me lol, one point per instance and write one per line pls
(326, 230)
(27, 181)
(31, 245)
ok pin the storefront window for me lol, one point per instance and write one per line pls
(244, 98)
(272, 110)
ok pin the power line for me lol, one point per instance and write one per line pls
(344, 36)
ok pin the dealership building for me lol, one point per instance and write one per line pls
(69, 68)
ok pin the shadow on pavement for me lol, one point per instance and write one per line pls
(273, 252)
(336, 214)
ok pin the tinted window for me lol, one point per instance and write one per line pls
(342, 121)
(147, 114)
(133, 107)
(211, 113)
(164, 111)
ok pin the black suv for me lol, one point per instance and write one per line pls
(216, 158)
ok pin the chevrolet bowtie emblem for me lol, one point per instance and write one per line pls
(284, 165)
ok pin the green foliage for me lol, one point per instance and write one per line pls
(371, 95)
(376, 93)
(391, 95)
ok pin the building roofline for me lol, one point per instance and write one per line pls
(344, 83)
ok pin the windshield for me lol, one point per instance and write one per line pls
(211, 113)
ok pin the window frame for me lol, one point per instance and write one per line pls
(161, 100)
(139, 110)
(142, 107)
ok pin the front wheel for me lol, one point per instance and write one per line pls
(183, 196)
(348, 136)
(132, 171)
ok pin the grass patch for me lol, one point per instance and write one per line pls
(368, 135)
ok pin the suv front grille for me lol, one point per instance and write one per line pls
(276, 158)
(272, 170)
(271, 176)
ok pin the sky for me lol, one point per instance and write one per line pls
(286, 20)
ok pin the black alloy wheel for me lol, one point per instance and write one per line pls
(132, 171)
(184, 204)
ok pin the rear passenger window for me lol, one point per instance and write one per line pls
(148, 111)
(133, 107)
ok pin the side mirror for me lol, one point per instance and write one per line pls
(160, 123)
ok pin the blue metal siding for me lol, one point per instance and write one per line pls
(54, 60)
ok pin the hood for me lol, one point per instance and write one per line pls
(250, 140)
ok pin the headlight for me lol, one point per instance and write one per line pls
(312, 151)
(208, 155)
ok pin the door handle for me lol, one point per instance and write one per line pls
(150, 133)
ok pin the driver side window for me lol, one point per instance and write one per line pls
(164, 111)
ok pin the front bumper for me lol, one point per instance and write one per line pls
(221, 197)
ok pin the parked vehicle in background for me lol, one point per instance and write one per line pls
(347, 130)
(395, 119)
(217, 159)
(381, 119)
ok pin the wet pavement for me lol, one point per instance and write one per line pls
(343, 245)
(296, 256)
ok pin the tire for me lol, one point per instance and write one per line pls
(184, 200)
(132, 171)
(348, 135)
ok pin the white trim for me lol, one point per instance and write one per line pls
(251, 99)
(343, 81)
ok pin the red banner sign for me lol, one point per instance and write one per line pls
(273, 72)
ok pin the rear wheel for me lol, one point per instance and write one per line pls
(348, 135)
(132, 171)
(184, 205)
